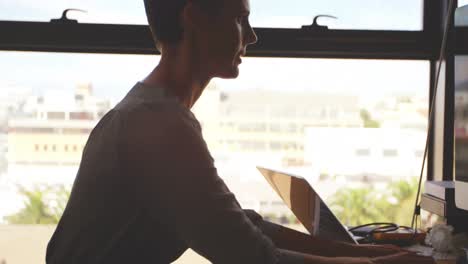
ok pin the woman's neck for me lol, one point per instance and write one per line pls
(178, 75)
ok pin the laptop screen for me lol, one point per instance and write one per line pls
(307, 205)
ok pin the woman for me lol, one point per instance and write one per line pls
(147, 188)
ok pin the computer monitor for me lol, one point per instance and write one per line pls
(461, 110)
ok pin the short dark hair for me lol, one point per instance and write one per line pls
(164, 17)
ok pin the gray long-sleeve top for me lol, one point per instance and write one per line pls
(147, 189)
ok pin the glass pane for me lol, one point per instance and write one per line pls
(461, 118)
(106, 11)
(461, 14)
(347, 126)
(363, 14)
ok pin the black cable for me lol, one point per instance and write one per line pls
(368, 231)
(378, 225)
(432, 106)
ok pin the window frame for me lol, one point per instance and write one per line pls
(273, 42)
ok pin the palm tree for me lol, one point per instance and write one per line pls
(37, 210)
(366, 205)
(356, 206)
(405, 193)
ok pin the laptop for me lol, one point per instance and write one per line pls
(307, 206)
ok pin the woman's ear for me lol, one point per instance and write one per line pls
(186, 16)
(191, 16)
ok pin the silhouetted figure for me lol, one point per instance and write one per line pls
(147, 188)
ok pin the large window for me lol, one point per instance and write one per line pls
(317, 122)
(344, 125)
(354, 128)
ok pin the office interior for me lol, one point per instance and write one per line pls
(345, 101)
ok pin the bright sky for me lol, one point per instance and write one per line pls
(113, 75)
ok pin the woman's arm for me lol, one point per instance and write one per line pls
(174, 177)
(290, 239)
(399, 258)
(311, 259)
(338, 252)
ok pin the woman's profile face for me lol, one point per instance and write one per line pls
(221, 40)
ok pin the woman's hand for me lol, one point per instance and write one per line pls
(399, 258)
(287, 238)
(376, 250)
(403, 257)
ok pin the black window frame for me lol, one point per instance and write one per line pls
(273, 42)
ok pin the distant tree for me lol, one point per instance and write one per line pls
(405, 99)
(357, 206)
(371, 124)
(41, 206)
(404, 192)
(365, 115)
(367, 119)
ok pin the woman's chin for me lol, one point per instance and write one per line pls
(230, 74)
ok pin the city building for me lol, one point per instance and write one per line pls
(365, 155)
(271, 123)
(45, 143)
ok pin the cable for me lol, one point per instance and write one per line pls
(382, 226)
(383, 232)
(432, 106)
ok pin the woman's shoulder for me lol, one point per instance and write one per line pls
(164, 112)
(156, 119)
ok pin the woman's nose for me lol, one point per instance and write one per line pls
(251, 37)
